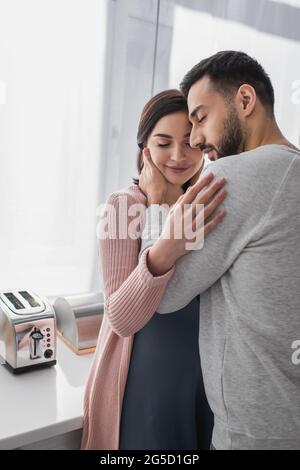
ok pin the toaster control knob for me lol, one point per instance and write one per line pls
(48, 353)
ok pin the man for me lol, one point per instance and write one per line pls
(248, 272)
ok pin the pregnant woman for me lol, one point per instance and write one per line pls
(145, 388)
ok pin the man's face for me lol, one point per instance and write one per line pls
(217, 129)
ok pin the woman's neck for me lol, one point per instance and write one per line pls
(174, 191)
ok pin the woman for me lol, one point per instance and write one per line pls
(132, 295)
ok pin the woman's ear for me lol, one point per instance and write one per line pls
(246, 100)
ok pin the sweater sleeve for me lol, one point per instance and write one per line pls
(247, 207)
(131, 293)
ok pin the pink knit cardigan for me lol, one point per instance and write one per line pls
(132, 295)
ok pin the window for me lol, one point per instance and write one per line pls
(52, 64)
(198, 34)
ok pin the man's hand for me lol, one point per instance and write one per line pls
(167, 249)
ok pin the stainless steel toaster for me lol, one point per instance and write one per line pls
(79, 319)
(27, 330)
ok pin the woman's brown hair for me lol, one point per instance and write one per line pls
(160, 105)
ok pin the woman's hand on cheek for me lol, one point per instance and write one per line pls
(152, 182)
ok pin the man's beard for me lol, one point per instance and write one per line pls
(233, 136)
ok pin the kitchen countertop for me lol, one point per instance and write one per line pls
(44, 403)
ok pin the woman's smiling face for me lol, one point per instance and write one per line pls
(169, 145)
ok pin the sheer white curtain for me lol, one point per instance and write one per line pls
(52, 62)
(268, 30)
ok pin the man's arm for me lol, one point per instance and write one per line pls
(246, 206)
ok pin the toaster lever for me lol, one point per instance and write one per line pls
(35, 343)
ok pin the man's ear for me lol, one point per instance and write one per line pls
(246, 99)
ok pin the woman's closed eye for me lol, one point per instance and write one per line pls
(160, 144)
(163, 145)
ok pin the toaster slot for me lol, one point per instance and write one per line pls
(14, 300)
(31, 300)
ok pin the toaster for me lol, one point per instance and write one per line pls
(27, 331)
(79, 318)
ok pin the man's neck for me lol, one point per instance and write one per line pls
(265, 132)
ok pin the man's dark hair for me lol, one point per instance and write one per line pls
(228, 70)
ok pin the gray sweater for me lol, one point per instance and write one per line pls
(248, 275)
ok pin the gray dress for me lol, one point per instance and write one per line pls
(165, 406)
